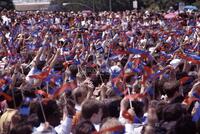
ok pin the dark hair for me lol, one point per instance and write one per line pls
(180, 66)
(51, 110)
(22, 128)
(91, 58)
(105, 76)
(111, 107)
(33, 120)
(138, 108)
(85, 127)
(89, 108)
(89, 71)
(170, 88)
(58, 66)
(124, 61)
(96, 80)
(73, 70)
(180, 75)
(185, 125)
(177, 99)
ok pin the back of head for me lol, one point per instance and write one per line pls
(114, 108)
(170, 88)
(138, 108)
(22, 129)
(73, 70)
(112, 123)
(85, 127)
(58, 66)
(51, 111)
(111, 107)
(89, 108)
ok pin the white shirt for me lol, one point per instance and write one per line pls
(63, 128)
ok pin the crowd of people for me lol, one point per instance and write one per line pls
(129, 72)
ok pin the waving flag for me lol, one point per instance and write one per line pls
(42, 75)
(183, 80)
(148, 70)
(140, 52)
(157, 74)
(67, 86)
(2, 82)
(188, 101)
(150, 91)
(7, 97)
(196, 93)
(136, 51)
(41, 92)
(128, 116)
(135, 96)
(120, 52)
(195, 57)
(196, 115)
(53, 78)
(117, 87)
(188, 58)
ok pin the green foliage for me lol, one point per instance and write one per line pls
(196, 4)
(6, 4)
(117, 5)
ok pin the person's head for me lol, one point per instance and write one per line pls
(171, 88)
(22, 128)
(89, 71)
(96, 81)
(138, 108)
(58, 66)
(111, 107)
(51, 112)
(92, 111)
(112, 123)
(84, 127)
(73, 70)
(33, 120)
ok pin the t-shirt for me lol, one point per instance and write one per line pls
(6, 123)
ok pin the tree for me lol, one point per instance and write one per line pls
(6, 4)
(119, 5)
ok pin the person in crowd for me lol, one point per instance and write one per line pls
(130, 72)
